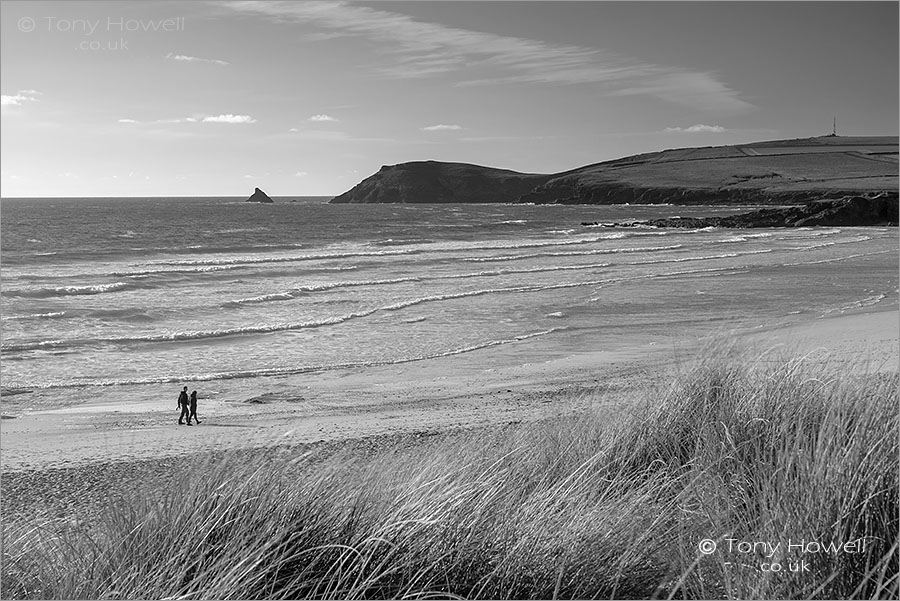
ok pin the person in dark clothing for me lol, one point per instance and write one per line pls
(183, 405)
(193, 408)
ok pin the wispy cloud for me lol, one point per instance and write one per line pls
(699, 128)
(442, 127)
(504, 138)
(301, 174)
(421, 49)
(229, 118)
(324, 135)
(197, 118)
(322, 118)
(19, 98)
(177, 120)
(196, 59)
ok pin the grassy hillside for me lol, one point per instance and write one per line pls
(774, 172)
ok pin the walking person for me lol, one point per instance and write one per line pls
(183, 405)
(193, 408)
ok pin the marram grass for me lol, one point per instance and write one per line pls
(759, 463)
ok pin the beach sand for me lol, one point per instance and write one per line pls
(80, 454)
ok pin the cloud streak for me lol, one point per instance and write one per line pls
(19, 98)
(416, 49)
(229, 118)
(323, 135)
(195, 59)
(442, 127)
(322, 118)
(699, 128)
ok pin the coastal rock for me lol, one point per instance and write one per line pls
(259, 196)
(880, 209)
(779, 172)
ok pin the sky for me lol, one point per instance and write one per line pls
(309, 98)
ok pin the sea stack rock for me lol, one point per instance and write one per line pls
(259, 196)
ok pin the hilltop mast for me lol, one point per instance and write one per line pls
(834, 128)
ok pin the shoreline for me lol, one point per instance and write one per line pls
(530, 381)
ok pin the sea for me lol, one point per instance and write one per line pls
(124, 298)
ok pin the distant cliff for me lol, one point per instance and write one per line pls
(435, 182)
(782, 172)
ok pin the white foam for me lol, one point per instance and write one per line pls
(264, 372)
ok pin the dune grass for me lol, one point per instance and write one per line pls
(588, 506)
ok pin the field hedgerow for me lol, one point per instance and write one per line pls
(740, 478)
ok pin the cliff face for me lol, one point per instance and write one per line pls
(435, 182)
(779, 172)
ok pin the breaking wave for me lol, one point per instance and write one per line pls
(71, 290)
(263, 372)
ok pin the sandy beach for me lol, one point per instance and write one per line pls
(66, 458)
(428, 396)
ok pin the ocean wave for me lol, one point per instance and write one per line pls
(49, 315)
(402, 242)
(263, 298)
(240, 230)
(497, 272)
(288, 259)
(181, 336)
(199, 335)
(668, 274)
(740, 238)
(302, 290)
(836, 242)
(34, 346)
(835, 259)
(571, 253)
(71, 290)
(287, 371)
(134, 315)
(868, 301)
(167, 271)
(811, 233)
(453, 248)
(703, 257)
(200, 269)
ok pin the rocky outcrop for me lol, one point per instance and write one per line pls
(781, 172)
(881, 209)
(259, 196)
